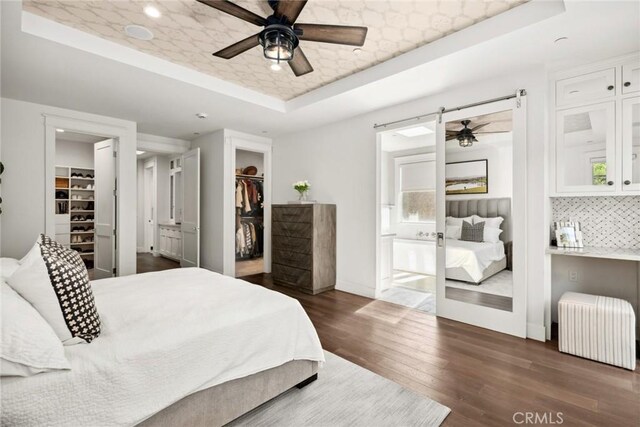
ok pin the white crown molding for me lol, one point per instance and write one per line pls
(59, 33)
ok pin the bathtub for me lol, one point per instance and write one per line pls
(416, 256)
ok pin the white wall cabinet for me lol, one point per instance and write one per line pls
(631, 77)
(595, 141)
(171, 241)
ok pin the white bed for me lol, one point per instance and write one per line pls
(165, 335)
(473, 257)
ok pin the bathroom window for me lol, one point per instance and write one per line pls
(418, 206)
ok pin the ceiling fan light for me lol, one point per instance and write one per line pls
(278, 43)
(466, 141)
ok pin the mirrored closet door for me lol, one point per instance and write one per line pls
(481, 196)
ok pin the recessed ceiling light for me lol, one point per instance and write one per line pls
(202, 115)
(138, 152)
(275, 67)
(60, 130)
(196, 133)
(357, 51)
(152, 12)
(416, 131)
(561, 39)
(138, 32)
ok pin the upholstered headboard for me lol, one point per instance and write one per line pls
(486, 208)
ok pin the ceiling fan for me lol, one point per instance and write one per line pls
(281, 35)
(467, 136)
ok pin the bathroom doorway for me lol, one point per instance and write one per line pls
(406, 232)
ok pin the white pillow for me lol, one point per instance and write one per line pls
(8, 266)
(491, 235)
(453, 232)
(458, 221)
(29, 345)
(488, 222)
(54, 280)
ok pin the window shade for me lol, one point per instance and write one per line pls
(418, 176)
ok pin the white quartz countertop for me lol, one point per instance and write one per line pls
(596, 252)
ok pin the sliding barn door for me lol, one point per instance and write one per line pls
(104, 207)
(191, 209)
(481, 216)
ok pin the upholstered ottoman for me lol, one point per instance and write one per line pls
(598, 328)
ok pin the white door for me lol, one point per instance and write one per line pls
(149, 203)
(191, 209)
(105, 207)
(488, 176)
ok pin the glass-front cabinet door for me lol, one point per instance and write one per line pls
(585, 149)
(631, 144)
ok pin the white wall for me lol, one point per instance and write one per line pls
(211, 199)
(73, 153)
(140, 206)
(340, 162)
(23, 181)
(246, 158)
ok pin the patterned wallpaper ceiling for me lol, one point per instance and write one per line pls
(188, 32)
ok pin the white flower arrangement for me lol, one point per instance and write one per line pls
(301, 186)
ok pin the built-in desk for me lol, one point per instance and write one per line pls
(595, 253)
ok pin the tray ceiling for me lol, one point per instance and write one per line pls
(188, 32)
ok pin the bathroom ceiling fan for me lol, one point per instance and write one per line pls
(466, 136)
(280, 36)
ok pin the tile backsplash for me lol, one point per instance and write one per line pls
(609, 222)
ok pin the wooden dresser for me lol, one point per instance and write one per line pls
(304, 246)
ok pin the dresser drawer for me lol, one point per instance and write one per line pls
(292, 276)
(293, 214)
(293, 259)
(292, 229)
(292, 244)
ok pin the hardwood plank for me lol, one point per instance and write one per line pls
(483, 376)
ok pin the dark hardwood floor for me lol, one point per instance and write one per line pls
(147, 262)
(483, 376)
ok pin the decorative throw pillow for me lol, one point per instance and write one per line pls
(8, 266)
(55, 281)
(29, 345)
(489, 222)
(472, 233)
(492, 235)
(458, 221)
(453, 232)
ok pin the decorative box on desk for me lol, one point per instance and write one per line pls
(304, 246)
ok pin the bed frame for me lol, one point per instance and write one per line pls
(221, 404)
(486, 208)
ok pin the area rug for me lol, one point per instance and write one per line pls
(347, 395)
(500, 284)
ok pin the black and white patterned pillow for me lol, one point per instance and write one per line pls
(472, 233)
(55, 281)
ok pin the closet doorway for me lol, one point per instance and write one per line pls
(249, 212)
(84, 208)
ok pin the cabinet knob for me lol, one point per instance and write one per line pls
(610, 183)
(627, 182)
(610, 87)
(627, 84)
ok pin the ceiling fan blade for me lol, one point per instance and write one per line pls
(289, 9)
(235, 10)
(338, 34)
(300, 64)
(490, 132)
(473, 129)
(237, 48)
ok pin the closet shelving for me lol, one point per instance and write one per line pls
(255, 218)
(75, 203)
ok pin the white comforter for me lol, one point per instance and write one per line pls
(474, 257)
(164, 336)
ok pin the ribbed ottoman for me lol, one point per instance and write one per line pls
(598, 328)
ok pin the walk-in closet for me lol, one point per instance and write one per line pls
(249, 212)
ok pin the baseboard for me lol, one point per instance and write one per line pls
(536, 332)
(355, 288)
